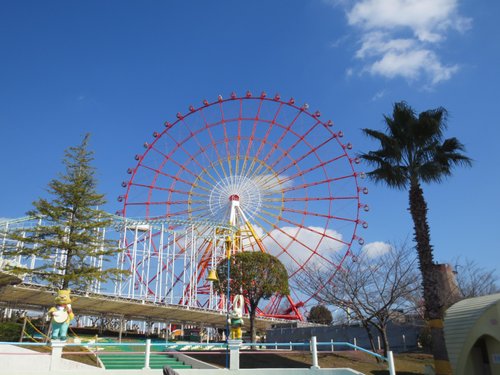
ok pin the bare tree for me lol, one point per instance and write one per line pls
(372, 289)
(473, 280)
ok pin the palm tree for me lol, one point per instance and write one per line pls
(413, 151)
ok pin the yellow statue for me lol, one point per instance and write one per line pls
(61, 315)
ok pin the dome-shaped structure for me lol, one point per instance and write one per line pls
(472, 333)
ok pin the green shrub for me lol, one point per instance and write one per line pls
(10, 331)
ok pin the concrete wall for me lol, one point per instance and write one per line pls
(17, 360)
(401, 337)
(193, 362)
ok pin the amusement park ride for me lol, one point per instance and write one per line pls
(244, 173)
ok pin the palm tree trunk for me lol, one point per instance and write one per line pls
(433, 305)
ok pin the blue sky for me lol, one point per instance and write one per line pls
(119, 69)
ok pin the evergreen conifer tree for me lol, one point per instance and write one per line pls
(68, 244)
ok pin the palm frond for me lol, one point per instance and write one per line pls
(395, 177)
(403, 116)
(452, 145)
(433, 171)
(440, 160)
(429, 127)
(389, 146)
(450, 153)
(412, 148)
(380, 136)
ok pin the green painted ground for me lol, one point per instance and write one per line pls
(133, 361)
(122, 357)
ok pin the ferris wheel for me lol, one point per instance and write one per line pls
(271, 169)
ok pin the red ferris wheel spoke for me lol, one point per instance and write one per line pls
(282, 248)
(312, 199)
(282, 136)
(265, 139)
(316, 232)
(248, 155)
(312, 252)
(202, 149)
(316, 183)
(314, 167)
(290, 237)
(304, 156)
(320, 215)
(190, 212)
(187, 170)
(159, 188)
(226, 138)
(213, 143)
(300, 139)
(238, 139)
(159, 172)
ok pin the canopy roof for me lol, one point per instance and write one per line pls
(38, 297)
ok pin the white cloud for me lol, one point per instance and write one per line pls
(376, 249)
(413, 64)
(339, 42)
(298, 243)
(336, 2)
(427, 19)
(377, 43)
(378, 95)
(399, 38)
(297, 246)
(270, 183)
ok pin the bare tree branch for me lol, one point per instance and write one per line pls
(375, 290)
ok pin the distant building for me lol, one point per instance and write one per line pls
(448, 290)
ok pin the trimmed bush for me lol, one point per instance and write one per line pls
(10, 331)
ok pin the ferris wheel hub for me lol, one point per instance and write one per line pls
(244, 191)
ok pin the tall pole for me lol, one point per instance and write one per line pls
(228, 296)
(24, 327)
(235, 202)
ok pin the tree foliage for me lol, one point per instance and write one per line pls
(10, 331)
(68, 244)
(320, 314)
(255, 275)
(412, 150)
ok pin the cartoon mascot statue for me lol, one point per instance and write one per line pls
(61, 315)
(236, 317)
